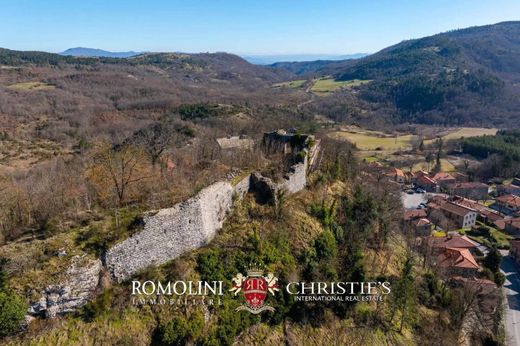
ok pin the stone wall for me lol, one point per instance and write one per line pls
(171, 232)
(296, 179)
(82, 280)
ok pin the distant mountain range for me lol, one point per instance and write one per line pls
(461, 77)
(93, 52)
(271, 59)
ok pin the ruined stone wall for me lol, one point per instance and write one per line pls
(296, 179)
(171, 232)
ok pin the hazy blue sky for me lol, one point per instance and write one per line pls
(238, 26)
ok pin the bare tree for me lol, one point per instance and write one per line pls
(119, 166)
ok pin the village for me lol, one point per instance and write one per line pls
(467, 232)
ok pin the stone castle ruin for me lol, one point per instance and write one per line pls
(169, 233)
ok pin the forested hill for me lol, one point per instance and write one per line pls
(467, 76)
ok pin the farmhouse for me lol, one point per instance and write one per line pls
(456, 261)
(508, 204)
(397, 174)
(422, 227)
(426, 183)
(472, 190)
(510, 189)
(463, 216)
(443, 179)
(512, 226)
(452, 255)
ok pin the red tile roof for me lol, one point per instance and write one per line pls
(510, 200)
(458, 241)
(414, 214)
(456, 209)
(423, 179)
(470, 185)
(442, 176)
(457, 257)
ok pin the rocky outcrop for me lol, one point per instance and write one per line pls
(82, 280)
(171, 232)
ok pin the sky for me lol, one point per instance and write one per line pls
(238, 26)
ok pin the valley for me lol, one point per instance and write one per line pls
(195, 167)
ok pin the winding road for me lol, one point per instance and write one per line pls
(512, 299)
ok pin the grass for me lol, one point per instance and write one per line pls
(491, 238)
(439, 234)
(28, 86)
(464, 132)
(446, 166)
(295, 84)
(327, 84)
(367, 140)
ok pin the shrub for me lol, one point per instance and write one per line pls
(499, 279)
(325, 245)
(12, 312)
(175, 331)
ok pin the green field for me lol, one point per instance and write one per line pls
(369, 140)
(491, 238)
(465, 132)
(31, 86)
(327, 84)
(294, 84)
(446, 166)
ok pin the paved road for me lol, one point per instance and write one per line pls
(512, 299)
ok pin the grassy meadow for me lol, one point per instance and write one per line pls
(326, 85)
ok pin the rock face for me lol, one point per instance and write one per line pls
(82, 281)
(171, 232)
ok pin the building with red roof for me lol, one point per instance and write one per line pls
(457, 261)
(426, 183)
(472, 190)
(443, 179)
(507, 204)
(463, 216)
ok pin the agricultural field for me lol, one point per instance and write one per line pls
(379, 146)
(29, 86)
(294, 84)
(372, 140)
(326, 85)
(465, 132)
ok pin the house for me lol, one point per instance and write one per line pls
(417, 221)
(457, 261)
(443, 179)
(426, 183)
(508, 190)
(397, 174)
(414, 214)
(512, 226)
(453, 240)
(452, 255)
(460, 177)
(418, 174)
(485, 214)
(514, 250)
(472, 190)
(463, 216)
(508, 204)
(422, 227)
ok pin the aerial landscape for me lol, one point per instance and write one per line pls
(156, 190)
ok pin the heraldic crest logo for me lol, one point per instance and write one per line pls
(255, 287)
